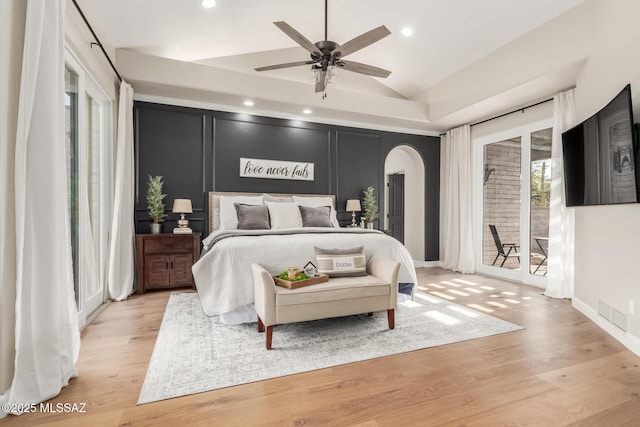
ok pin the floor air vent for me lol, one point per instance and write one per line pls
(619, 319)
(604, 310)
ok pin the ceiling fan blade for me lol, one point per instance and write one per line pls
(297, 37)
(362, 41)
(287, 65)
(369, 70)
(321, 81)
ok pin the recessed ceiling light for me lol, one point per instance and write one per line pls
(406, 31)
(208, 3)
(307, 111)
(248, 103)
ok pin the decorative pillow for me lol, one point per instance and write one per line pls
(252, 217)
(315, 216)
(319, 201)
(342, 262)
(284, 215)
(228, 215)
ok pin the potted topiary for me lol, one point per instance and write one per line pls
(369, 207)
(154, 203)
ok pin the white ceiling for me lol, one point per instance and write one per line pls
(239, 35)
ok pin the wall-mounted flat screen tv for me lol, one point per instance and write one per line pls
(600, 155)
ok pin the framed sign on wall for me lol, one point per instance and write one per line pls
(276, 169)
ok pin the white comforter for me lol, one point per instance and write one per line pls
(223, 274)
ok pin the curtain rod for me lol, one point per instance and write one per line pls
(97, 43)
(510, 112)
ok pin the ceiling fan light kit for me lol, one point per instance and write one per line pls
(326, 55)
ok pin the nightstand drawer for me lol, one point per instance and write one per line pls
(168, 245)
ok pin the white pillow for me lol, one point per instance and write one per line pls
(320, 201)
(284, 215)
(228, 214)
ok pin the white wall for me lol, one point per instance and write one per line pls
(78, 39)
(404, 159)
(607, 258)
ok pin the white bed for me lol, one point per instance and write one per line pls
(223, 273)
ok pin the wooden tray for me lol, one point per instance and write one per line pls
(319, 278)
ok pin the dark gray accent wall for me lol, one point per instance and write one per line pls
(197, 151)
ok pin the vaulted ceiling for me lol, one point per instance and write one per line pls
(235, 36)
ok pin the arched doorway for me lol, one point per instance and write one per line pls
(406, 163)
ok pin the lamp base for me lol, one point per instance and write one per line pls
(353, 219)
(183, 222)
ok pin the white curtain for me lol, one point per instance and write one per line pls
(121, 256)
(561, 219)
(47, 338)
(457, 227)
(9, 80)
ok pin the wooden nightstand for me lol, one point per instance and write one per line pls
(165, 260)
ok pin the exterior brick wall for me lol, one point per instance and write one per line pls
(501, 205)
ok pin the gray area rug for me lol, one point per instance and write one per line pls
(194, 353)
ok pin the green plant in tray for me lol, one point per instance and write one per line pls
(300, 276)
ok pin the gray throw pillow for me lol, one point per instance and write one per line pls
(252, 217)
(315, 216)
(341, 262)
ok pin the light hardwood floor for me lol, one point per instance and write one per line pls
(561, 370)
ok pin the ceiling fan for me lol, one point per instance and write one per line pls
(327, 54)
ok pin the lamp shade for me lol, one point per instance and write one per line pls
(353, 205)
(182, 206)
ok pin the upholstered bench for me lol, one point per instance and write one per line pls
(340, 296)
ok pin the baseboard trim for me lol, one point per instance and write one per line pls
(628, 340)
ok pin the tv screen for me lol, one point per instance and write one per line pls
(599, 156)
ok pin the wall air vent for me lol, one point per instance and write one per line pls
(619, 319)
(604, 310)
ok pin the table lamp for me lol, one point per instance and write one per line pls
(182, 206)
(353, 205)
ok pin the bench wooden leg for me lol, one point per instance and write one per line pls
(391, 318)
(269, 336)
(370, 314)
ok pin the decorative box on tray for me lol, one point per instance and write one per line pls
(290, 284)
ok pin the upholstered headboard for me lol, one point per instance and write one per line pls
(214, 200)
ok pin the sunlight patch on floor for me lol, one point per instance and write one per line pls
(442, 295)
(428, 298)
(496, 304)
(512, 301)
(435, 285)
(446, 282)
(480, 307)
(463, 310)
(508, 293)
(456, 292)
(465, 282)
(487, 288)
(411, 304)
(442, 317)
(474, 290)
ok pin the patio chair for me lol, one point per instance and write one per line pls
(511, 248)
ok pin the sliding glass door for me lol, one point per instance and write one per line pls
(512, 178)
(88, 141)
